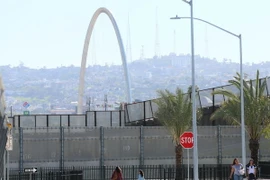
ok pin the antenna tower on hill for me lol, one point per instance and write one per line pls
(128, 45)
(157, 45)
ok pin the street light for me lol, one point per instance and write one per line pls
(241, 79)
(194, 118)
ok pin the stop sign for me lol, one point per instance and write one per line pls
(186, 140)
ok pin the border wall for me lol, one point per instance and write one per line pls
(98, 146)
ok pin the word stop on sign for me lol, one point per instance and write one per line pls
(186, 140)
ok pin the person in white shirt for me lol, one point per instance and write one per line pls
(251, 170)
(237, 170)
(141, 175)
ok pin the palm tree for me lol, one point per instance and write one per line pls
(175, 113)
(256, 105)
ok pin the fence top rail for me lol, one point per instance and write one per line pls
(267, 79)
(120, 127)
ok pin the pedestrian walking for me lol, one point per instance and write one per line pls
(251, 170)
(140, 175)
(117, 174)
(237, 170)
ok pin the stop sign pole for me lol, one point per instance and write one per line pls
(187, 142)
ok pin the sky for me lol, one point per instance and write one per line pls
(51, 33)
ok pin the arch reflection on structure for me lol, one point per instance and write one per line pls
(85, 51)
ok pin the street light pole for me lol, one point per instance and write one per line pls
(243, 136)
(193, 99)
(194, 108)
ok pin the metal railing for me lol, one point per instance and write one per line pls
(161, 172)
(90, 119)
(140, 113)
(129, 172)
(145, 110)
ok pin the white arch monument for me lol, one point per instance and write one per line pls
(85, 52)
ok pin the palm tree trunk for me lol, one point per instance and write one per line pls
(179, 161)
(254, 148)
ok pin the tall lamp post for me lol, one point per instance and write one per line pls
(194, 108)
(241, 79)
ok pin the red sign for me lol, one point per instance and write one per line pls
(186, 140)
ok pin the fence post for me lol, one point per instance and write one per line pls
(102, 172)
(144, 114)
(160, 171)
(21, 149)
(141, 146)
(133, 172)
(120, 118)
(4, 163)
(95, 118)
(101, 162)
(204, 171)
(164, 174)
(219, 158)
(62, 147)
(85, 121)
(41, 174)
(7, 165)
(111, 118)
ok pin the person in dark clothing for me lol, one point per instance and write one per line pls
(117, 174)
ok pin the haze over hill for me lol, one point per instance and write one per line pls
(45, 89)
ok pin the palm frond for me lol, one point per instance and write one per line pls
(256, 106)
(174, 112)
